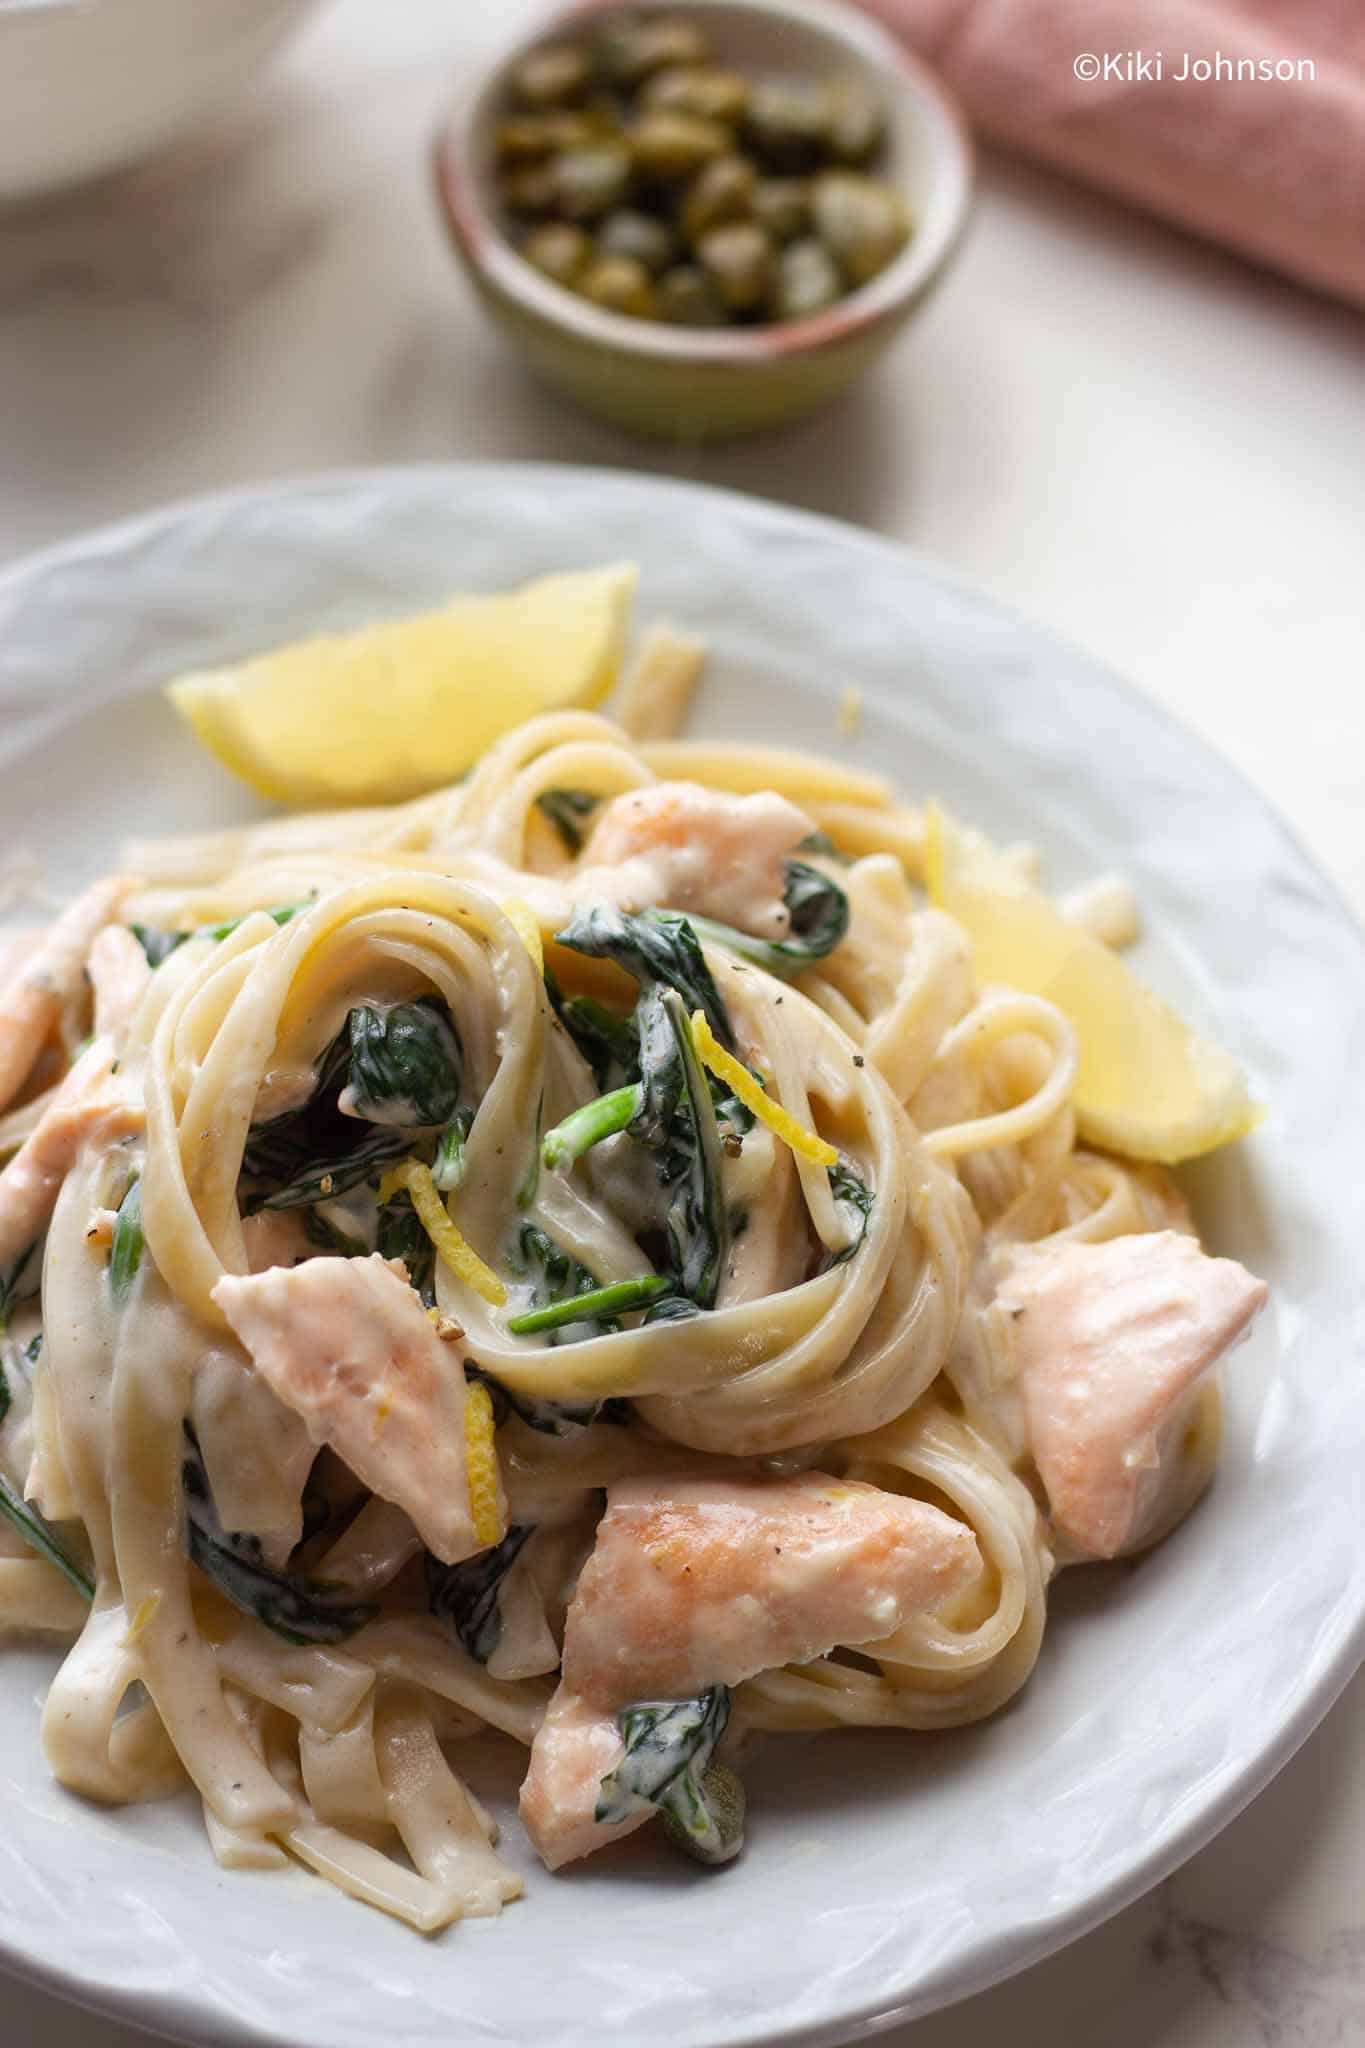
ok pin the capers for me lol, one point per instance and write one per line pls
(646, 171)
(551, 76)
(641, 236)
(738, 259)
(559, 249)
(672, 146)
(712, 1829)
(620, 285)
(590, 181)
(788, 122)
(861, 222)
(782, 206)
(689, 299)
(704, 90)
(529, 138)
(857, 122)
(630, 47)
(808, 279)
(532, 189)
(723, 191)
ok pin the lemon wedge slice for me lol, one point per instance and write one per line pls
(399, 708)
(1147, 1086)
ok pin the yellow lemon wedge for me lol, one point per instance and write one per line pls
(396, 709)
(1147, 1086)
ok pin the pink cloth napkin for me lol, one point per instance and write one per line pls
(1274, 167)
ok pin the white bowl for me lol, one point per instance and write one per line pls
(89, 85)
(885, 1874)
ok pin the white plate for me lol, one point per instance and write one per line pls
(885, 1874)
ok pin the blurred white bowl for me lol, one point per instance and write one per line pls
(89, 85)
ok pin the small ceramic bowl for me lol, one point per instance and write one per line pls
(690, 383)
(87, 86)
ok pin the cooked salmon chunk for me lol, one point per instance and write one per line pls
(89, 1107)
(48, 978)
(119, 972)
(1109, 1342)
(690, 848)
(275, 1237)
(348, 1346)
(701, 1582)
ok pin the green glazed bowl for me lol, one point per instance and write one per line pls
(682, 383)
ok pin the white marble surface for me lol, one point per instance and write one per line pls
(1130, 436)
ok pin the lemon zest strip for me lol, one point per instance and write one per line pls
(780, 1122)
(481, 1463)
(526, 925)
(143, 1616)
(463, 1261)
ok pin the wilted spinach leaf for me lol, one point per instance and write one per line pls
(603, 1039)
(850, 1191)
(697, 1224)
(39, 1535)
(302, 1610)
(406, 1063)
(669, 1744)
(657, 947)
(401, 1068)
(548, 1418)
(818, 910)
(125, 1255)
(159, 945)
(16, 1280)
(402, 1236)
(567, 809)
(466, 1594)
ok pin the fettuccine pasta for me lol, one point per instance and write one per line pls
(577, 1256)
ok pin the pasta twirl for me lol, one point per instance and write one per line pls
(617, 1139)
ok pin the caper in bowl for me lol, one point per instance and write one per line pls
(675, 165)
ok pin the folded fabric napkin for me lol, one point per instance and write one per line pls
(1153, 100)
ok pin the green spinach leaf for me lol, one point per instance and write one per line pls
(448, 1167)
(603, 1039)
(821, 843)
(465, 1595)
(659, 947)
(818, 909)
(402, 1069)
(325, 1235)
(567, 810)
(302, 1610)
(125, 1254)
(697, 1225)
(159, 945)
(311, 1180)
(661, 1070)
(17, 1280)
(39, 1535)
(403, 1236)
(548, 1418)
(406, 1064)
(667, 1766)
(852, 1192)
